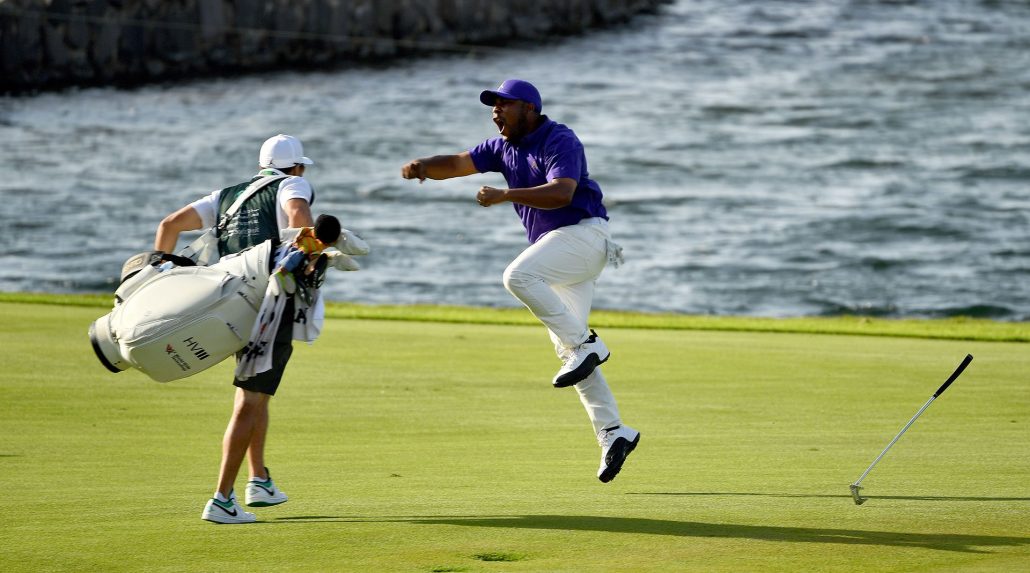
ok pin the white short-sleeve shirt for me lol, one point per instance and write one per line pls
(293, 187)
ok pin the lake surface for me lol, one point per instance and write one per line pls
(757, 158)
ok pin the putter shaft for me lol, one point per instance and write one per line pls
(855, 487)
(858, 482)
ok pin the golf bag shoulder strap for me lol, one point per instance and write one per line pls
(204, 250)
(249, 192)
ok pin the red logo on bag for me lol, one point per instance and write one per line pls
(169, 349)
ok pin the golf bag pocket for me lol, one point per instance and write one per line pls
(183, 321)
(186, 349)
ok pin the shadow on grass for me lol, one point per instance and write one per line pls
(937, 541)
(843, 496)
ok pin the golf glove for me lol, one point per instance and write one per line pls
(613, 251)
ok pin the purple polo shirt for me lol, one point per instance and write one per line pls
(550, 152)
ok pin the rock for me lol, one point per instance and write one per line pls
(67, 42)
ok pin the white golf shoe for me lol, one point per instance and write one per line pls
(616, 444)
(226, 511)
(579, 362)
(263, 493)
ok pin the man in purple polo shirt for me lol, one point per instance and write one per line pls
(567, 226)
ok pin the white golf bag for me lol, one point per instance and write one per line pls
(173, 322)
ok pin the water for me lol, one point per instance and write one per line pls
(758, 158)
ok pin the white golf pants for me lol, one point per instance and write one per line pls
(555, 279)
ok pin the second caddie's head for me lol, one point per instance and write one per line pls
(516, 108)
(282, 152)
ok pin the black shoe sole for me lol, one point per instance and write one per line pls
(617, 455)
(581, 372)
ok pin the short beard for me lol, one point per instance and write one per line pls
(519, 127)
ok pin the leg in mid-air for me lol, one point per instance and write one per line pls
(555, 279)
(568, 256)
(616, 440)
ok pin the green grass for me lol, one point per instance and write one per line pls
(958, 328)
(440, 446)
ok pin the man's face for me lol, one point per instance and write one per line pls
(511, 117)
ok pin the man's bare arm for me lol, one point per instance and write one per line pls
(551, 195)
(185, 219)
(439, 167)
(298, 213)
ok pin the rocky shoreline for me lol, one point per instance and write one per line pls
(48, 44)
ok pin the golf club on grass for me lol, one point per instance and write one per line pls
(859, 500)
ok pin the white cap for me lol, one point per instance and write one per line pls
(282, 152)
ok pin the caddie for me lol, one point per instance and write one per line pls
(279, 202)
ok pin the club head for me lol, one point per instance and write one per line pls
(859, 500)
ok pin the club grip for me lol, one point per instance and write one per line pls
(954, 375)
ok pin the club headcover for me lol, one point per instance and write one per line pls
(351, 244)
(327, 229)
(341, 261)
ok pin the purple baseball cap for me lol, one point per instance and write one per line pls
(514, 89)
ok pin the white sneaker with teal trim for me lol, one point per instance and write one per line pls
(263, 493)
(226, 511)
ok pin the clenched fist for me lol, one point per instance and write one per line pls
(489, 196)
(414, 170)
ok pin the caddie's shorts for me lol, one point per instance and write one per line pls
(282, 347)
